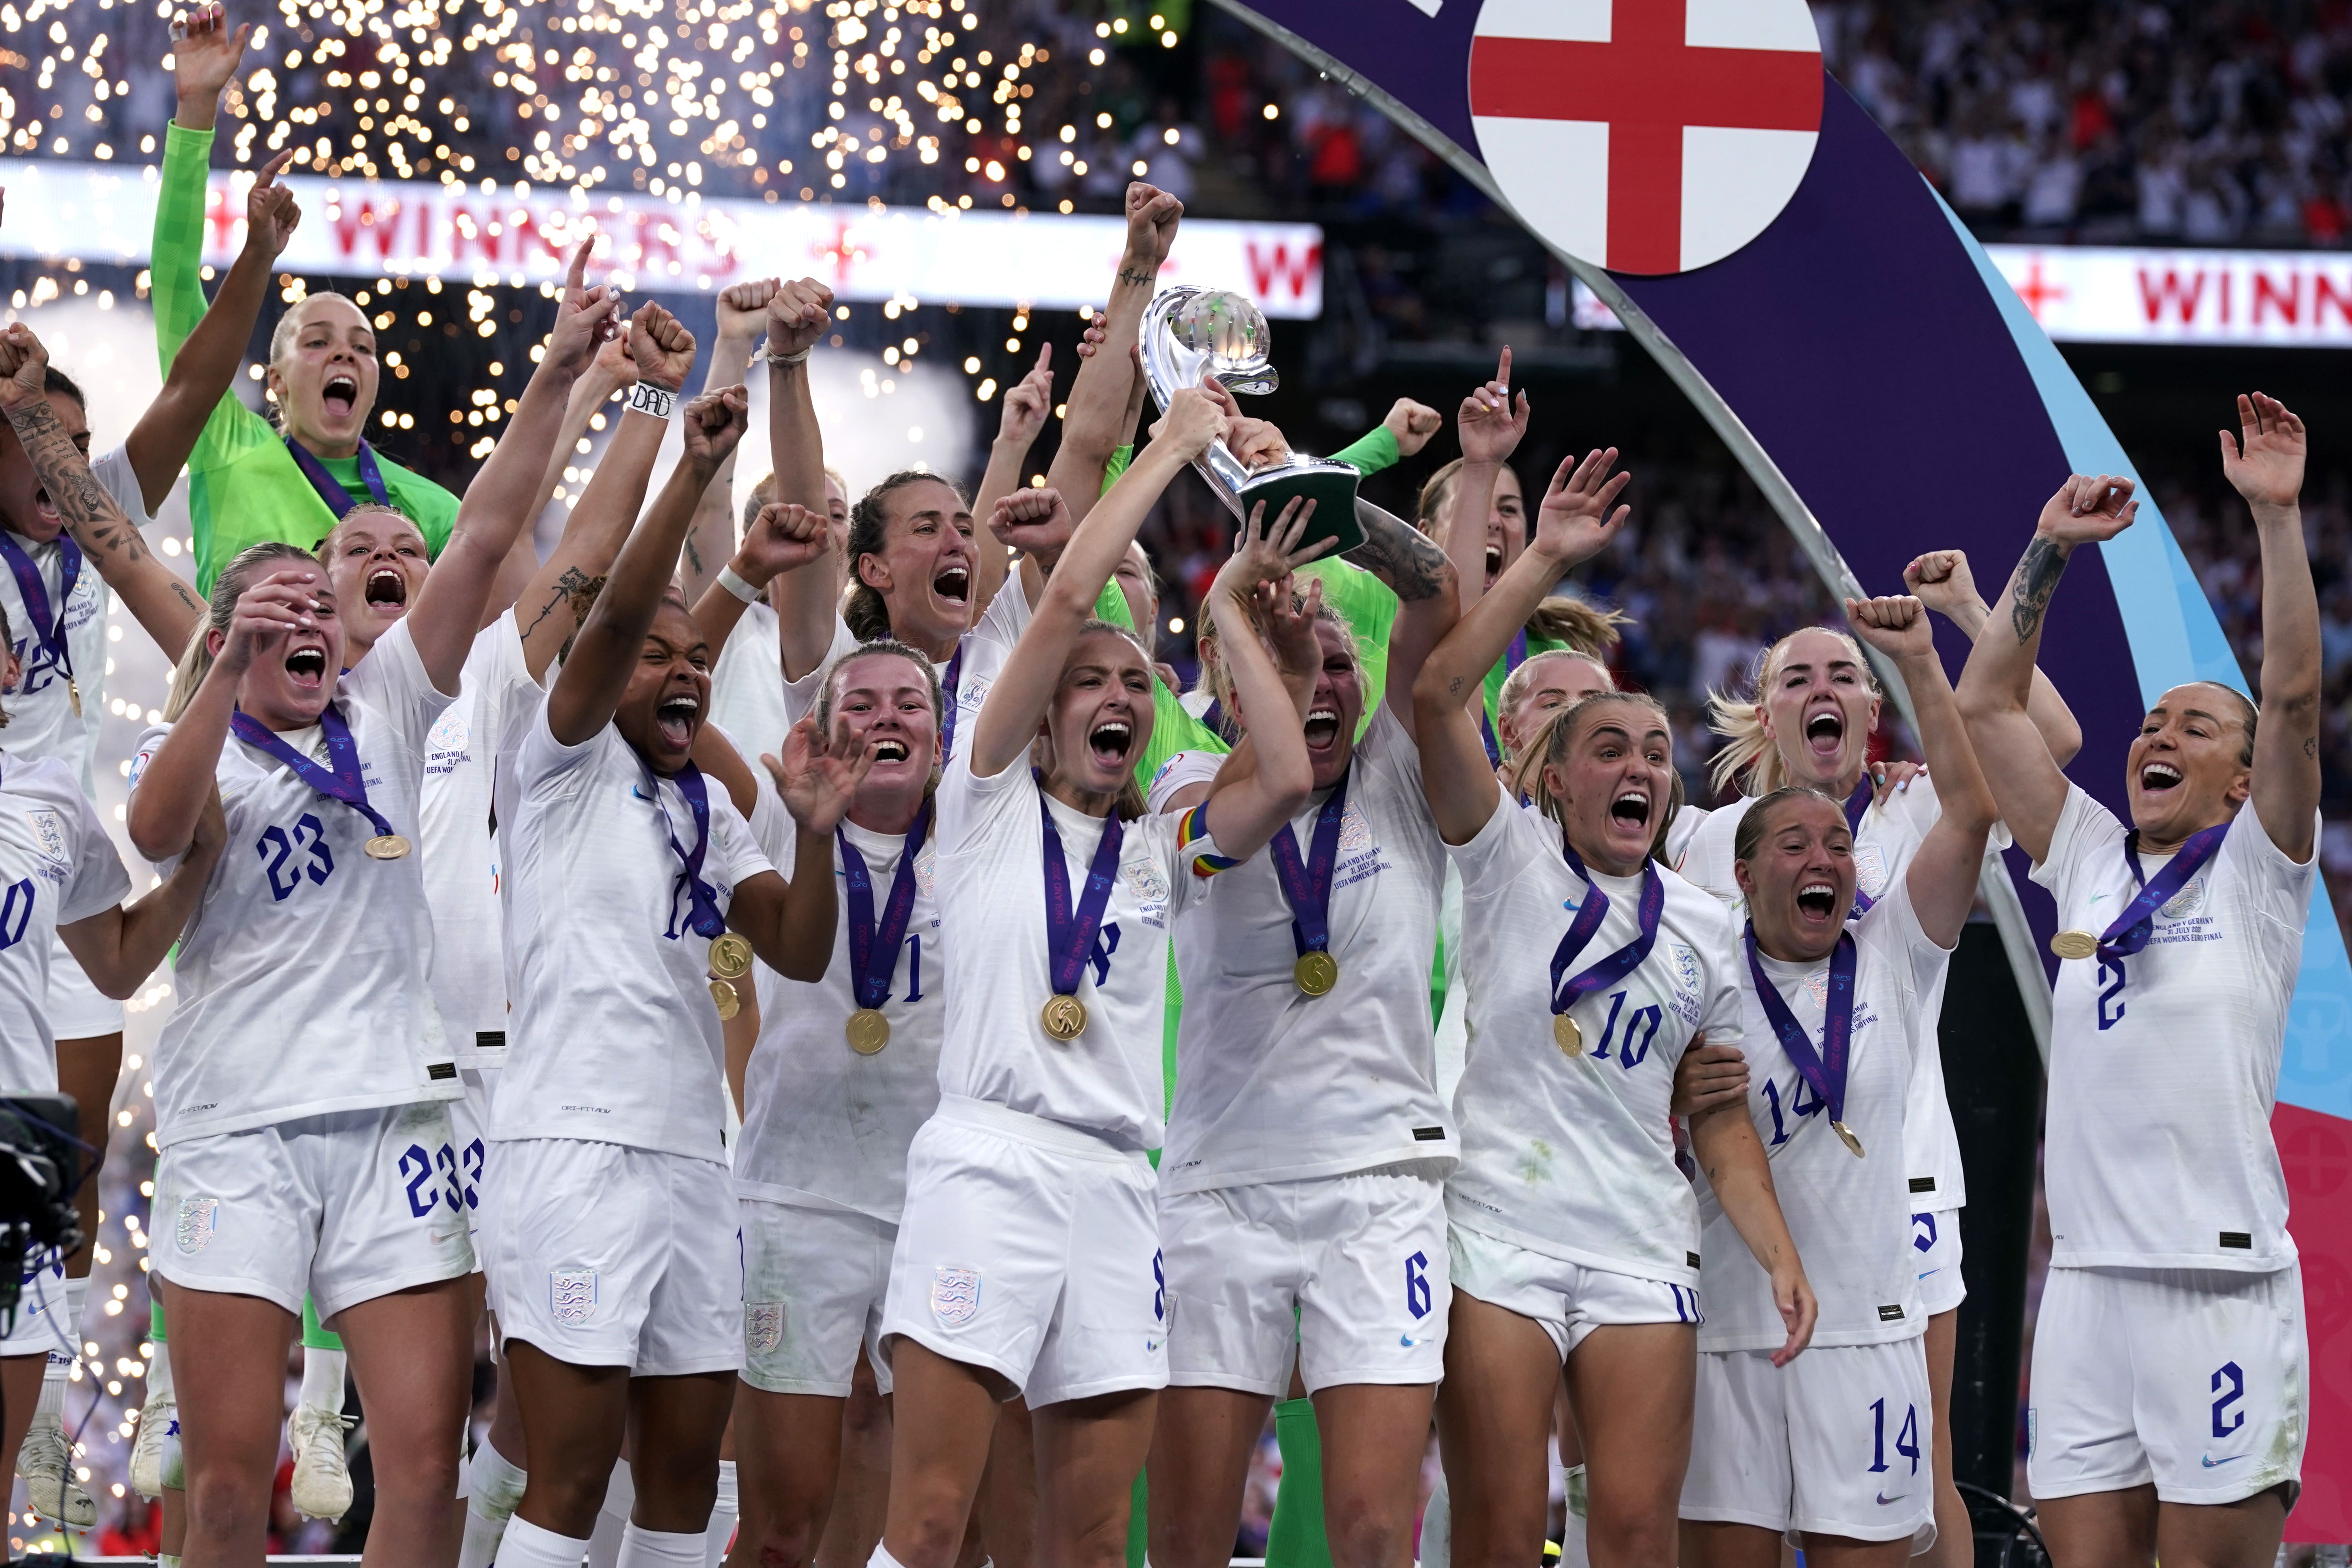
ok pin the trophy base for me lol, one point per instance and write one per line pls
(1332, 488)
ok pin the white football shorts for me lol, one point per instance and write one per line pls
(78, 1010)
(602, 1254)
(813, 1284)
(2196, 1379)
(41, 1327)
(1032, 1250)
(345, 1207)
(1936, 1247)
(1348, 1273)
(1838, 1442)
(1568, 1300)
(469, 1134)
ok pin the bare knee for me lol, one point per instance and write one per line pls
(420, 1473)
(1627, 1542)
(225, 1508)
(786, 1543)
(1365, 1536)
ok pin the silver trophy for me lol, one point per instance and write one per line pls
(1192, 332)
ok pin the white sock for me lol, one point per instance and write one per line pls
(166, 1559)
(159, 1373)
(882, 1558)
(494, 1490)
(52, 1406)
(323, 1377)
(1573, 1552)
(77, 1302)
(613, 1518)
(643, 1548)
(1438, 1527)
(529, 1546)
(723, 1513)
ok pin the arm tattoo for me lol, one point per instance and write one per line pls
(693, 557)
(1135, 280)
(1407, 560)
(574, 588)
(65, 473)
(2030, 590)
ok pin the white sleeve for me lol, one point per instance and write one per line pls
(1007, 616)
(1389, 747)
(99, 881)
(799, 696)
(1892, 927)
(113, 470)
(1686, 821)
(2280, 888)
(772, 825)
(1500, 851)
(2084, 826)
(391, 680)
(1180, 772)
(968, 806)
(542, 759)
(1724, 1020)
(734, 855)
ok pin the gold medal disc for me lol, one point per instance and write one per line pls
(730, 956)
(1571, 1038)
(869, 1031)
(1845, 1133)
(723, 996)
(73, 695)
(387, 847)
(1315, 973)
(2075, 944)
(1064, 1017)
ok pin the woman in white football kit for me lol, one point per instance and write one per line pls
(1027, 1260)
(615, 1290)
(318, 1155)
(1808, 721)
(1591, 970)
(1301, 1203)
(846, 1070)
(2170, 1393)
(1834, 1449)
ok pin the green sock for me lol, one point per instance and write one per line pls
(156, 1319)
(314, 1335)
(1295, 1538)
(1138, 1523)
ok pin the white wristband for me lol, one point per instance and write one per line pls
(646, 399)
(799, 358)
(732, 581)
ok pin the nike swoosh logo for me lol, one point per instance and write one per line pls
(1925, 1272)
(2213, 1464)
(1898, 1497)
(2096, 897)
(639, 791)
(1405, 1340)
(1150, 1345)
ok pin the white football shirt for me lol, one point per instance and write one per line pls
(303, 974)
(2164, 1065)
(1574, 1156)
(488, 720)
(825, 1127)
(615, 1038)
(41, 719)
(992, 893)
(1890, 833)
(1851, 1218)
(1273, 1085)
(57, 867)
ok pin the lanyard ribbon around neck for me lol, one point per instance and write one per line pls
(49, 629)
(702, 916)
(1307, 880)
(339, 779)
(2129, 931)
(874, 946)
(1070, 932)
(1567, 991)
(1825, 1069)
(330, 490)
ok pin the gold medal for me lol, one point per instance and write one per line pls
(869, 1031)
(1315, 973)
(2073, 944)
(1852, 1143)
(730, 956)
(722, 995)
(387, 847)
(1571, 1038)
(73, 695)
(1064, 1017)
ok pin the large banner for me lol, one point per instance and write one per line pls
(1883, 384)
(516, 236)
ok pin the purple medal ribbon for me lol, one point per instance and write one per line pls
(338, 781)
(1306, 884)
(1513, 656)
(947, 683)
(1588, 916)
(1825, 1069)
(1070, 934)
(869, 979)
(701, 902)
(1857, 806)
(2130, 931)
(339, 500)
(48, 631)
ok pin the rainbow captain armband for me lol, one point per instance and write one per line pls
(1192, 828)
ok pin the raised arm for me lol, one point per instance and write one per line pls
(742, 316)
(205, 54)
(120, 948)
(1099, 392)
(611, 371)
(1942, 877)
(1724, 1142)
(782, 538)
(550, 610)
(805, 600)
(1027, 401)
(205, 367)
(1025, 688)
(1574, 525)
(1247, 805)
(166, 605)
(1941, 581)
(2265, 464)
(791, 924)
(612, 639)
(1997, 682)
(177, 784)
(1490, 428)
(505, 493)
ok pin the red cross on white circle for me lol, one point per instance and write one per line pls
(1647, 136)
